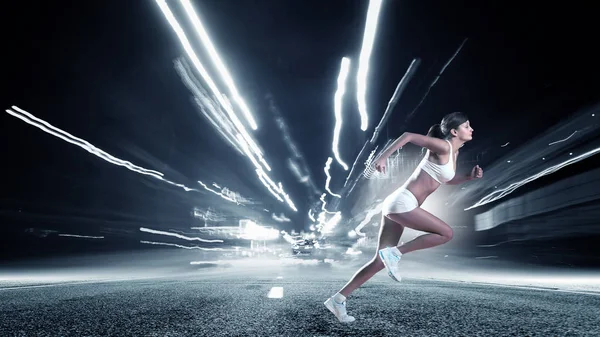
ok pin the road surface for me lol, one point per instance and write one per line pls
(233, 300)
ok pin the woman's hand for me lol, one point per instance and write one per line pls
(380, 164)
(476, 172)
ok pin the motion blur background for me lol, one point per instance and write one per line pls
(123, 133)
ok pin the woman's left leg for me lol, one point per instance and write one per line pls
(389, 236)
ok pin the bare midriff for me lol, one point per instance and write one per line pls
(422, 186)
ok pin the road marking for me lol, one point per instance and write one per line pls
(275, 292)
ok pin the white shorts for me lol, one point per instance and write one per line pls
(400, 201)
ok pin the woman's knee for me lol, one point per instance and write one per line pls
(447, 234)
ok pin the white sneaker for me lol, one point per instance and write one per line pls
(339, 310)
(391, 257)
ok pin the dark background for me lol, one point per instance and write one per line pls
(103, 71)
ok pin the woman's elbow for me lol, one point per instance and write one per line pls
(408, 136)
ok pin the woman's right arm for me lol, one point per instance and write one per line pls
(435, 145)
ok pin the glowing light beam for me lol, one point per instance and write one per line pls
(328, 180)
(339, 94)
(363, 63)
(189, 9)
(69, 138)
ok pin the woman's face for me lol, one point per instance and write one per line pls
(464, 132)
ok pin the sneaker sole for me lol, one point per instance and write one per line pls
(330, 308)
(388, 268)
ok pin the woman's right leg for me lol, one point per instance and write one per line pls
(419, 219)
(389, 236)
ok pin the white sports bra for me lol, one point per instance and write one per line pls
(440, 173)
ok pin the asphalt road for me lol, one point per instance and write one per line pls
(232, 300)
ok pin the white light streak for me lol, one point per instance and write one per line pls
(280, 218)
(218, 63)
(388, 111)
(297, 163)
(501, 193)
(311, 216)
(363, 63)
(321, 220)
(436, 79)
(153, 231)
(337, 108)
(325, 203)
(410, 72)
(81, 236)
(211, 84)
(69, 138)
(563, 140)
(326, 169)
(249, 146)
(184, 247)
(217, 193)
(370, 213)
(211, 110)
(332, 223)
(288, 238)
(296, 170)
(261, 177)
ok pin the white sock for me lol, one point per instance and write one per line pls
(339, 298)
(397, 251)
